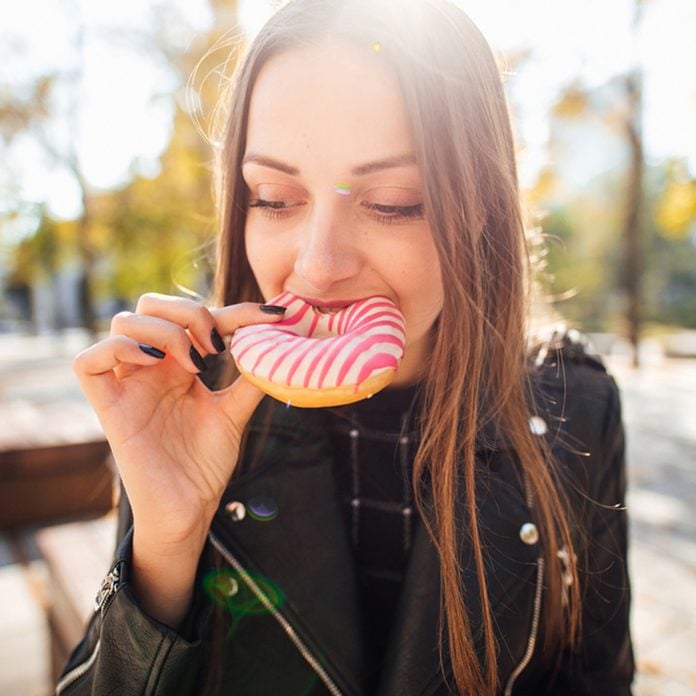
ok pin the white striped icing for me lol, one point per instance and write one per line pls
(371, 341)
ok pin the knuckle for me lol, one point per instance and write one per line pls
(120, 318)
(145, 300)
(175, 337)
(121, 342)
(202, 314)
(78, 361)
(230, 312)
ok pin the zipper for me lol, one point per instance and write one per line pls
(75, 673)
(268, 604)
(531, 641)
(107, 590)
(536, 612)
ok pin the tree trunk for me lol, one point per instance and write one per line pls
(88, 312)
(632, 238)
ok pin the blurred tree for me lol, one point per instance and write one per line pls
(583, 257)
(162, 227)
(631, 233)
(30, 113)
(603, 235)
(149, 234)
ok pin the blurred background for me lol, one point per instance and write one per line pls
(106, 193)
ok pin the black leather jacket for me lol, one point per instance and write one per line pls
(295, 627)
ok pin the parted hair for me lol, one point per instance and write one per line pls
(479, 370)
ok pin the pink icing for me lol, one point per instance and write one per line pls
(320, 350)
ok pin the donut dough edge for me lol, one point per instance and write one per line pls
(305, 397)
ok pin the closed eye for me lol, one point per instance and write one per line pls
(394, 213)
(274, 209)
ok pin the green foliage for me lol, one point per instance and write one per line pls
(44, 253)
(154, 234)
(583, 253)
(159, 229)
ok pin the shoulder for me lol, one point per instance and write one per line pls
(570, 382)
(567, 358)
(579, 404)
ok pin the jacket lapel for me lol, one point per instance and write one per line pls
(412, 664)
(303, 550)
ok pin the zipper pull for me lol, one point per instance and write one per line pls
(107, 590)
(566, 573)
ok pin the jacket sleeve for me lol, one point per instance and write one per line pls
(582, 406)
(125, 651)
(603, 663)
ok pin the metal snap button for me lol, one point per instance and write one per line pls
(529, 533)
(538, 425)
(232, 587)
(262, 508)
(236, 510)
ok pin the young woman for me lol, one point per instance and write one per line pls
(461, 531)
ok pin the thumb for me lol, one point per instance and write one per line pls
(240, 400)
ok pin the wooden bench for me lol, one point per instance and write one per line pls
(54, 464)
(77, 556)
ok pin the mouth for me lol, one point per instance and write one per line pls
(326, 310)
(326, 306)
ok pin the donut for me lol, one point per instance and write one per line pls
(313, 358)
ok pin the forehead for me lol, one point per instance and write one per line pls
(334, 100)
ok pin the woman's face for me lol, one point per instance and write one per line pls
(335, 199)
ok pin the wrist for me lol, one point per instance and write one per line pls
(183, 551)
(162, 577)
(159, 540)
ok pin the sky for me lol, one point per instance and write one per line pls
(119, 119)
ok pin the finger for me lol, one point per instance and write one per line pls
(162, 334)
(239, 401)
(94, 367)
(229, 319)
(192, 316)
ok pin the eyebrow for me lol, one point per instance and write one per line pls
(360, 170)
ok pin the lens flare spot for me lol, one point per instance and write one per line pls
(376, 46)
(342, 189)
(262, 508)
(232, 590)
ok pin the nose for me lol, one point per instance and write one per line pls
(327, 251)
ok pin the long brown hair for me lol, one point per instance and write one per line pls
(479, 369)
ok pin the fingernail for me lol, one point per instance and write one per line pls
(154, 352)
(272, 309)
(197, 360)
(217, 341)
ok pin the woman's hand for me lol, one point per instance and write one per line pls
(175, 442)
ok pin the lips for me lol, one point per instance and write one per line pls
(322, 306)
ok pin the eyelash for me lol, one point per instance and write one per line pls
(271, 209)
(389, 214)
(386, 214)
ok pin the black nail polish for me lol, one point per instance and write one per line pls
(197, 360)
(154, 352)
(272, 309)
(217, 341)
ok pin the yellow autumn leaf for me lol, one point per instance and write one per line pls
(676, 210)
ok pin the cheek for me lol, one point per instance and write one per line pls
(267, 261)
(425, 274)
(252, 248)
(418, 283)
